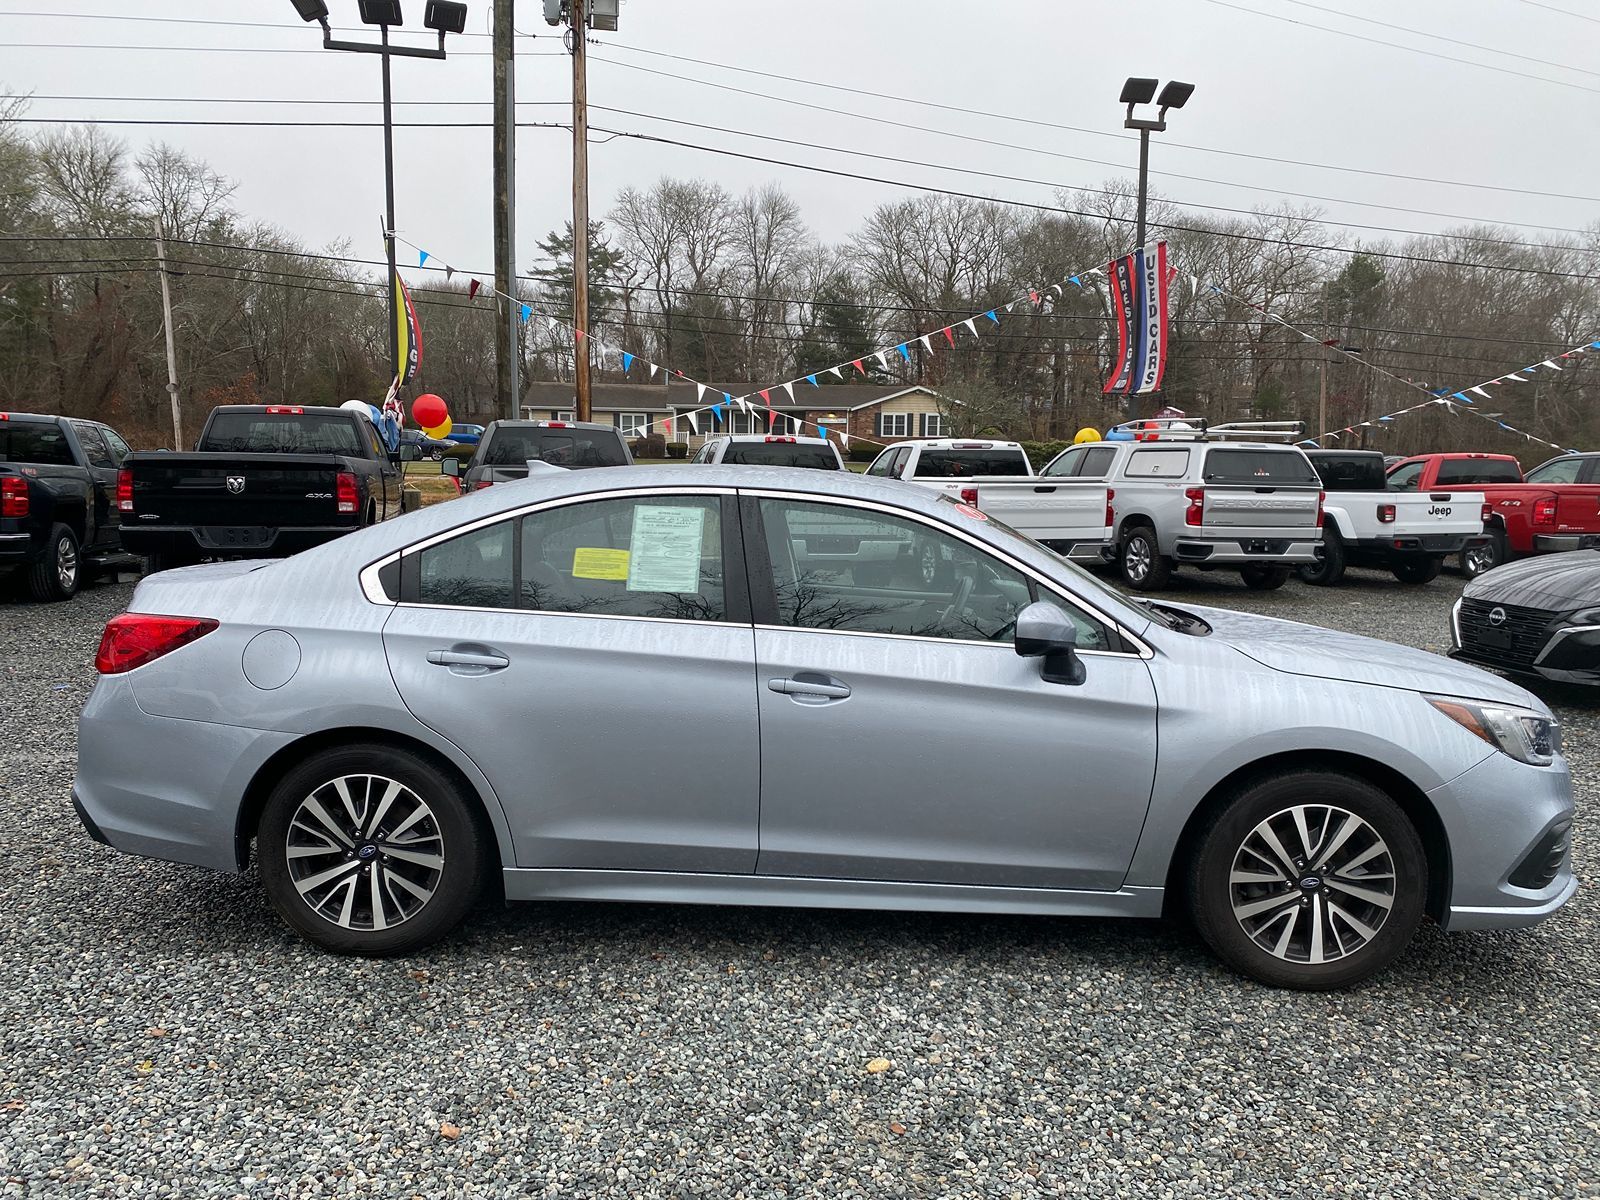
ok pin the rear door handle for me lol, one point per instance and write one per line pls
(808, 687)
(483, 662)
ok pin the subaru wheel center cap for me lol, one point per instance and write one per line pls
(1310, 883)
(367, 851)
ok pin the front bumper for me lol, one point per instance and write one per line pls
(1241, 551)
(1549, 647)
(1496, 816)
(1556, 543)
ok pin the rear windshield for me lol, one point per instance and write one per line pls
(781, 454)
(44, 445)
(1350, 472)
(958, 464)
(1259, 466)
(281, 433)
(570, 448)
(1478, 470)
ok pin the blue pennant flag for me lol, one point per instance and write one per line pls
(1461, 396)
(1438, 391)
(1385, 418)
(716, 411)
(422, 259)
(904, 353)
(527, 311)
(1502, 425)
(627, 360)
(1077, 281)
(812, 380)
(992, 317)
(727, 398)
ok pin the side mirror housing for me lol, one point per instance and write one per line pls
(1044, 631)
(408, 452)
(450, 466)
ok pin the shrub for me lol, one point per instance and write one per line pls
(652, 445)
(677, 449)
(1040, 453)
(863, 451)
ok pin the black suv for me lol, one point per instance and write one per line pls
(507, 447)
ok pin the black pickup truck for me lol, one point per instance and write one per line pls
(264, 481)
(58, 500)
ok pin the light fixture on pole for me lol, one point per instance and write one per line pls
(441, 16)
(1137, 91)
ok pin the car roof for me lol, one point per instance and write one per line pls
(22, 416)
(769, 437)
(972, 443)
(520, 423)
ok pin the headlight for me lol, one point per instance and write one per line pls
(1589, 616)
(1525, 735)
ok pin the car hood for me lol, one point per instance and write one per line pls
(1318, 653)
(1553, 582)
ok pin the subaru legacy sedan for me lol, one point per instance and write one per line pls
(667, 684)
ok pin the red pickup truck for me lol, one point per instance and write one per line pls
(1547, 511)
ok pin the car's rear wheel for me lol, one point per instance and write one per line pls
(1141, 561)
(1418, 570)
(1308, 879)
(1259, 578)
(371, 850)
(1329, 567)
(1484, 556)
(58, 572)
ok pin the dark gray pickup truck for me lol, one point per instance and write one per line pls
(265, 481)
(58, 508)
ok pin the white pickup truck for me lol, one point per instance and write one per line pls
(1070, 517)
(1366, 525)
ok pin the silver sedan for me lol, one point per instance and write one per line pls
(668, 684)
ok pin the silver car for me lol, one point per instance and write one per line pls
(646, 685)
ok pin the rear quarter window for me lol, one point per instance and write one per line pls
(1259, 467)
(958, 464)
(1165, 463)
(1477, 470)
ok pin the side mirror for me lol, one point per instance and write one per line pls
(450, 466)
(1044, 631)
(409, 452)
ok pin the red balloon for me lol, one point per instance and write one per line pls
(428, 411)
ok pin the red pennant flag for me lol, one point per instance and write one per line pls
(579, 332)
(1034, 296)
(857, 365)
(948, 336)
(766, 395)
(772, 417)
(472, 289)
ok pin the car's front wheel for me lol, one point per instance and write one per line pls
(371, 850)
(1309, 880)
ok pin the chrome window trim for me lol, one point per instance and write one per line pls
(917, 637)
(372, 586)
(545, 612)
(1141, 648)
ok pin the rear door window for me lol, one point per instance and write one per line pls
(1561, 470)
(94, 446)
(1259, 467)
(961, 463)
(1096, 463)
(1458, 471)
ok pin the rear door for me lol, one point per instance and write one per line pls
(595, 658)
(102, 466)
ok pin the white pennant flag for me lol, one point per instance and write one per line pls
(835, 372)
(1551, 364)
(845, 438)
(652, 370)
(926, 344)
(700, 393)
(1194, 285)
(789, 387)
(1008, 306)
(743, 405)
(883, 360)
(1515, 377)
(971, 328)
(1480, 392)
(694, 422)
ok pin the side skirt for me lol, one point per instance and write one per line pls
(665, 887)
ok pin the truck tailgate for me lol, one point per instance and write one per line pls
(1577, 508)
(1048, 511)
(235, 490)
(1229, 506)
(1433, 512)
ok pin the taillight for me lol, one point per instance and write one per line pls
(1386, 513)
(969, 496)
(480, 485)
(1111, 516)
(1544, 511)
(1322, 499)
(1488, 511)
(344, 491)
(124, 490)
(1195, 513)
(13, 497)
(134, 639)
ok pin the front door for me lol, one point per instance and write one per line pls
(595, 659)
(902, 737)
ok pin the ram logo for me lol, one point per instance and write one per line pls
(235, 484)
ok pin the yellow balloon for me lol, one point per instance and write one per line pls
(1086, 435)
(441, 431)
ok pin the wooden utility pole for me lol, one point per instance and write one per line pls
(172, 353)
(507, 336)
(1322, 371)
(580, 208)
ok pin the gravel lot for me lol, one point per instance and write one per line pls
(163, 1034)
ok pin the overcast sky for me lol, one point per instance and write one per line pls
(1269, 87)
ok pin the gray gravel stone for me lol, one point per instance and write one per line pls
(162, 1035)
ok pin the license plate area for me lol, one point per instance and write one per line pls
(1264, 546)
(234, 537)
(1494, 639)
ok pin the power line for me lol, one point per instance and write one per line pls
(202, 21)
(1173, 144)
(1466, 62)
(1566, 12)
(318, 49)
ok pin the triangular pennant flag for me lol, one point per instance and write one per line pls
(904, 353)
(579, 334)
(766, 397)
(1480, 392)
(1461, 396)
(1514, 377)
(1548, 363)
(856, 363)
(744, 403)
(772, 419)
(926, 343)
(449, 272)
(653, 370)
(700, 393)
(1078, 282)
(527, 311)
(627, 360)
(1009, 305)
(812, 380)
(990, 314)
(1194, 284)
(1034, 296)
(472, 289)
(789, 387)
(694, 423)
(948, 335)
(422, 258)
(835, 372)
(971, 327)
(883, 358)
(716, 412)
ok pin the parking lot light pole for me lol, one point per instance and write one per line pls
(1138, 91)
(441, 16)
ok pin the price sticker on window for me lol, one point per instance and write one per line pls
(596, 562)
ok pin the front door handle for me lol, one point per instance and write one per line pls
(808, 687)
(469, 662)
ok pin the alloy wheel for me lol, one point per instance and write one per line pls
(1480, 558)
(1312, 884)
(365, 852)
(66, 564)
(1137, 559)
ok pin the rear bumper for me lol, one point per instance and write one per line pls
(243, 541)
(1403, 545)
(1555, 543)
(17, 549)
(1240, 550)
(1096, 551)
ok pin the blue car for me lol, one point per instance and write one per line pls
(466, 435)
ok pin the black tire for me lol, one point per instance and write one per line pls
(1140, 562)
(1212, 895)
(166, 562)
(1329, 568)
(453, 827)
(1416, 571)
(1259, 577)
(1475, 560)
(59, 571)
(929, 567)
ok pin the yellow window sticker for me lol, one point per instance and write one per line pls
(595, 562)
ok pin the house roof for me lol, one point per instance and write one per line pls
(656, 397)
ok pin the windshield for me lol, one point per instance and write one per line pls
(1259, 467)
(960, 464)
(1478, 470)
(41, 444)
(281, 433)
(571, 448)
(781, 454)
